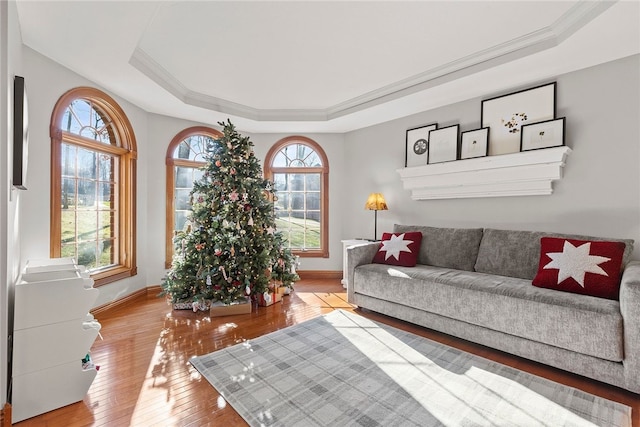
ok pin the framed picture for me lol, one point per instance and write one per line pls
(545, 134)
(20, 134)
(506, 114)
(418, 145)
(443, 145)
(475, 143)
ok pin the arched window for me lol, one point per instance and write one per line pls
(93, 184)
(185, 158)
(300, 171)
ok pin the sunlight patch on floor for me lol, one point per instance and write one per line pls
(155, 388)
(324, 299)
(453, 398)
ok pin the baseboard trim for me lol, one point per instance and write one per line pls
(5, 415)
(122, 302)
(154, 290)
(319, 274)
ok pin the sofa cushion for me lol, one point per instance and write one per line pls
(580, 266)
(580, 323)
(446, 247)
(399, 249)
(516, 253)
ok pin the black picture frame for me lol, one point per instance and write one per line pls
(505, 115)
(474, 143)
(541, 135)
(20, 133)
(443, 145)
(417, 145)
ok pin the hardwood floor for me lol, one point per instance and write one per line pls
(145, 378)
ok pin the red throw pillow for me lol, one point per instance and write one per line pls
(399, 249)
(580, 266)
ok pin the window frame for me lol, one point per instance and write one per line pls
(125, 150)
(171, 163)
(270, 170)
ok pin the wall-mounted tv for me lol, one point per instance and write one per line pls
(20, 133)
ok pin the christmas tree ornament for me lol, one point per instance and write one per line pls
(208, 280)
(267, 297)
(224, 273)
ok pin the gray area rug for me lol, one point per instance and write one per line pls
(342, 369)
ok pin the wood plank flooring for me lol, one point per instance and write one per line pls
(145, 378)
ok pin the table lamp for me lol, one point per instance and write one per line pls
(375, 203)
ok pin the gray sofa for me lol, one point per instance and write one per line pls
(475, 284)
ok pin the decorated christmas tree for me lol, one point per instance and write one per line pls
(230, 249)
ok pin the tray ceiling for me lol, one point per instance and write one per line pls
(322, 66)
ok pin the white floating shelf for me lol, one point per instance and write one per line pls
(527, 173)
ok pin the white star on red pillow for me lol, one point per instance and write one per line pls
(395, 245)
(575, 262)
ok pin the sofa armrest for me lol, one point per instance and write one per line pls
(630, 309)
(358, 255)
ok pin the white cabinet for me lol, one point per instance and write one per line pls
(345, 245)
(53, 332)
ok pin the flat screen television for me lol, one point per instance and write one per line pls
(20, 133)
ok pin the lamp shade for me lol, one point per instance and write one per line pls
(376, 202)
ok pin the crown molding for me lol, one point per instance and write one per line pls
(548, 37)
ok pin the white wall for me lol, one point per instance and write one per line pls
(10, 200)
(599, 194)
(47, 81)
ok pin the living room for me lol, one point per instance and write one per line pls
(598, 194)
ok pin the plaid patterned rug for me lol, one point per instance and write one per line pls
(342, 369)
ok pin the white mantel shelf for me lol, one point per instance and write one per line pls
(527, 173)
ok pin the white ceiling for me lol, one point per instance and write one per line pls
(319, 66)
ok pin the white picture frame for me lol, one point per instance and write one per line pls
(443, 145)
